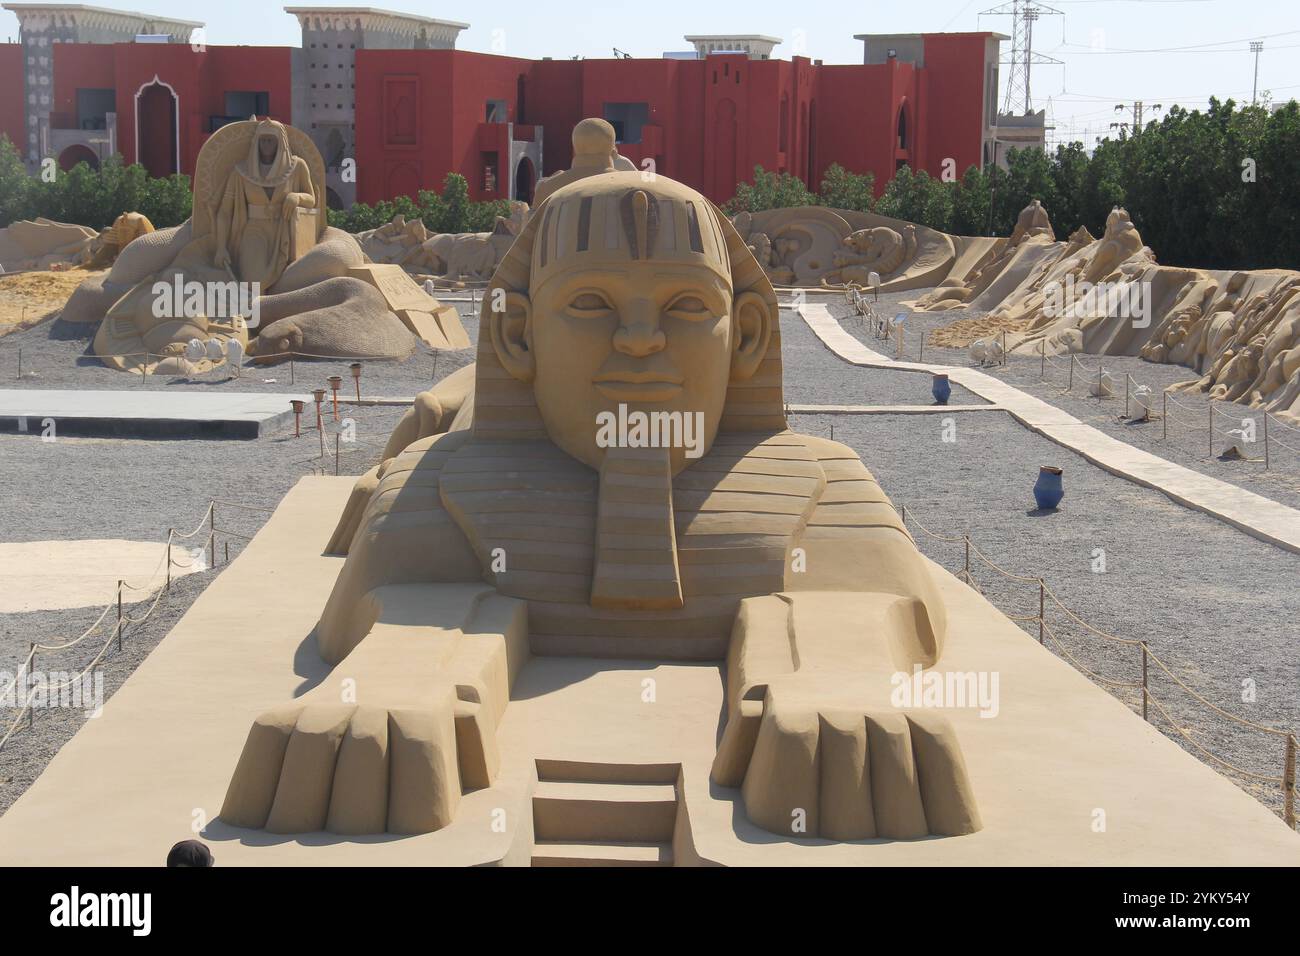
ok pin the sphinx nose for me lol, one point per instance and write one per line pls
(638, 332)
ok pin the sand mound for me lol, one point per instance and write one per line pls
(27, 298)
(960, 334)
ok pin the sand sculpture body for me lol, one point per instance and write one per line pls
(817, 246)
(453, 257)
(258, 235)
(501, 525)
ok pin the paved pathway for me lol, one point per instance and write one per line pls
(145, 412)
(1258, 516)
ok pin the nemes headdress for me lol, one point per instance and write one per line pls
(624, 216)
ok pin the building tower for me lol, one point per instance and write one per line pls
(324, 75)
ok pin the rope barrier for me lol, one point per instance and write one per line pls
(1221, 762)
(84, 634)
(1218, 710)
(1126, 641)
(1278, 421)
(1005, 573)
(1047, 631)
(1277, 441)
(1047, 628)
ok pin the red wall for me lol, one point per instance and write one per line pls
(13, 121)
(953, 100)
(200, 81)
(420, 114)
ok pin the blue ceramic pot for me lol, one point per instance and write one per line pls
(940, 389)
(1048, 490)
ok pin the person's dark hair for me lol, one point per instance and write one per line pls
(189, 853)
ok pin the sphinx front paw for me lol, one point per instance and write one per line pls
(347, 769)
(846, 774)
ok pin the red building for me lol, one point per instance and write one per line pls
(390, 92)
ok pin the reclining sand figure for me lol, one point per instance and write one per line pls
(503, 524)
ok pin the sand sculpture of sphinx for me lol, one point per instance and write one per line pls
(502, 524)
(257, 235)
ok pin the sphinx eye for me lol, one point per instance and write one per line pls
(590, 305)
(689, 307)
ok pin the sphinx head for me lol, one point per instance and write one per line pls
(631, 309)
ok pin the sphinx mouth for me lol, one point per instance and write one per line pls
(622, 390)
(638, 386)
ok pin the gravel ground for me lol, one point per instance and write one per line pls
(1216, 605)
(1186, 441)
(59, 355)
(134, 489)
(815, 376)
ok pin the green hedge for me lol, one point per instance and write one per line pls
(1180, 178)
(90, 197)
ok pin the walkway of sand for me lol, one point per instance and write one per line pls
(1257, 516)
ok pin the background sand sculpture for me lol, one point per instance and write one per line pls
(1239, 332)
(498, 525)
(450, 258)
(258, 220)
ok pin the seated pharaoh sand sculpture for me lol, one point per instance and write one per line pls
(258, 229)
(518, 516)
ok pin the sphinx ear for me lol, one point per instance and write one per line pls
(510, 323)
(751, 327)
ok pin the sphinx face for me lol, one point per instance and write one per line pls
(639, 337)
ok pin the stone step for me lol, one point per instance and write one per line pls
(580, 811)
(555, 853)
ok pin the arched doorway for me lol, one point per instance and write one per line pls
(902, 125)
(525, 176)
(157, 139)
(78, 153)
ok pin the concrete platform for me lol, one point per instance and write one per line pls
(128, 413)
(1064, 774)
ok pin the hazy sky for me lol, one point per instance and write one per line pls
(1160, 51)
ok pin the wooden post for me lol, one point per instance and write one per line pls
(1042, 362)
(1266, 441)
(1070, 384)
(170, 532)
(27, 694)
(20, 355)
(435, 365)
(1143, 645)
(1164, 414)
(212, 534)
(227, 545)
(904, 515)
(290, 368)
(1210, 405)
(921, 357)
(1041, 595)
(119, 616)
(966, 565)
(1004, 346)
(1288, 783)
(336, 454)
(1126, 378)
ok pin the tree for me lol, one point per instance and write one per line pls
(770, 191)
(15, 185)
(841, 189)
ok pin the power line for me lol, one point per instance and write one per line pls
(1024, 14)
